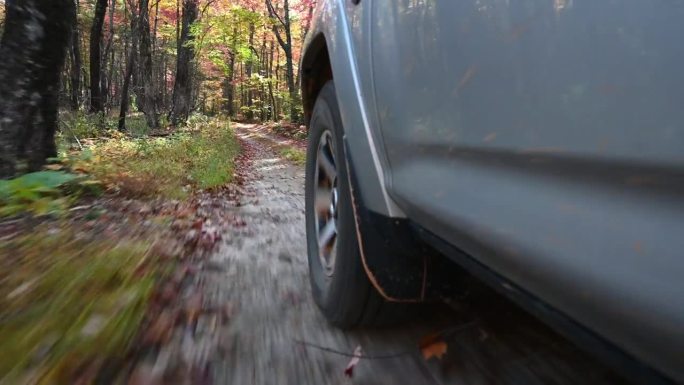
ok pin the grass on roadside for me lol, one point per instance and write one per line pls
(198, 158)
(294, 155)
(68, 302)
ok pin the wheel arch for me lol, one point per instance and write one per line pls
(316, 71)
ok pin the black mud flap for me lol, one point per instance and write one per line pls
(399, 265)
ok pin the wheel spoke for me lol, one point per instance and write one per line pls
(322, 202)
(326, 235)
(327, 165)
(325, 202)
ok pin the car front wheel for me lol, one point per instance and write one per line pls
(341, 288)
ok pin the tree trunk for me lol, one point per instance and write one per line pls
(96, 103)
(228, 87)
(33, 49)
(76, 66)
(108, 61)
(289, 64)
(277, 81)
(129, 71)
(284, 22)
(146, 92)
(274, 109)
(248, 71)
(123, 108)
(182, 89)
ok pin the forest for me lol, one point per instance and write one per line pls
(169, 58)
(128, 136)
(116, 61)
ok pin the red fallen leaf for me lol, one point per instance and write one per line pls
(433, 346)
(349, 370)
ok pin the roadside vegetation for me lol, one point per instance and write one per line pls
(107, 151)
(83, 246)
(69, 300)
(293, 154)
(199, 156)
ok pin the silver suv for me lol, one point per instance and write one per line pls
(539, 144)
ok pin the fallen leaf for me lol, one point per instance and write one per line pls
(192, 237)
(349, 370)
(144, 209)
(145, 375)
(193, 307)
(161, 329)
(433, 346)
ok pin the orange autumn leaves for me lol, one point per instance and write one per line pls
(433, 345)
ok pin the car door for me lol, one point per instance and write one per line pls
(546, 139)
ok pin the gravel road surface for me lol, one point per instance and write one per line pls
(261, 272)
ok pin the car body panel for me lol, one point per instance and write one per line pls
(544, 138)
(332, 21)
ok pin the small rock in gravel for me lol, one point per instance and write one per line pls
(285, 257)
(215, 266)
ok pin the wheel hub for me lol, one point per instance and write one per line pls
(326, 200)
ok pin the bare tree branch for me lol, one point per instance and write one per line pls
(274, 15)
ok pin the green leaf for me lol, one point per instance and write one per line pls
(46, 179)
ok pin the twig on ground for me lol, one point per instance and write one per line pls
(444, 332)
(346, 354)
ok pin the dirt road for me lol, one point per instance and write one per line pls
(261, 272)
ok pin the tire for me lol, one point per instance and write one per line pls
(340, 286)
